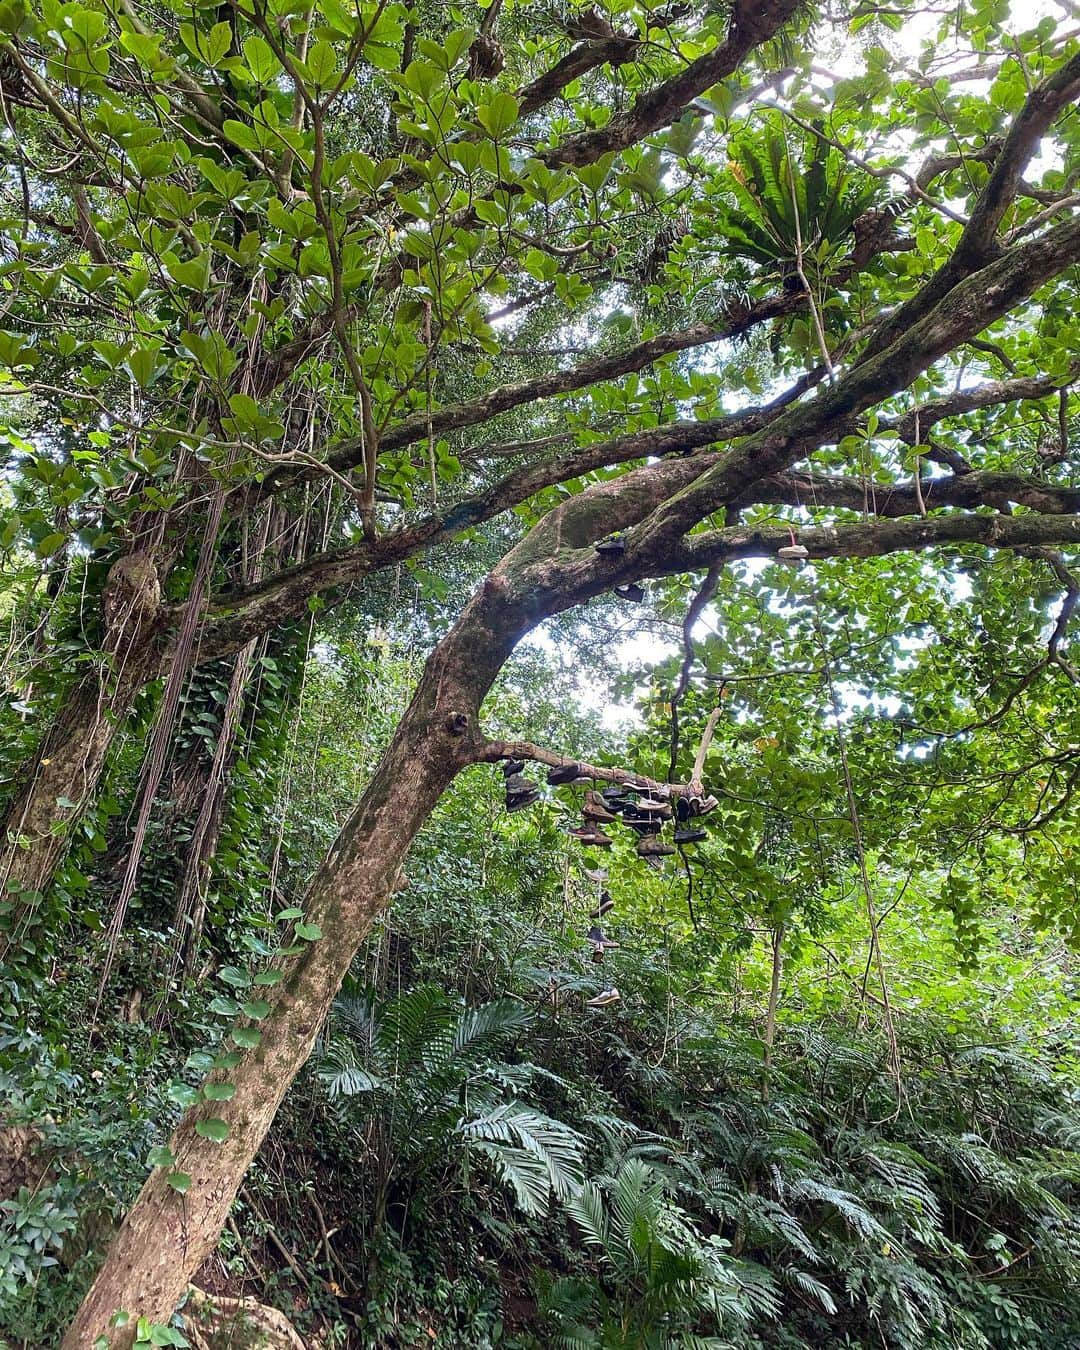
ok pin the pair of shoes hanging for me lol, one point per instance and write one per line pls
(520, 791)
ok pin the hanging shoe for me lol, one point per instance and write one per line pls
(683, 810)
(690, 834)
(652, 846)
(511, 766)
(612, 546)
(595, 809)
(563, 773)
(591, 835)
(520, 792)
(658, 810)
(606, 904)
(603, 999)
(631, 591)
(597, 938)
(793, 554)
(599, 875)
(645, 829)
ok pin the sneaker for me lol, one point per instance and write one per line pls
(657, 809)
(599, 875)
(612, 546)
(597, 938)
(645, 829)
(690, 834)
(512, 766)
(631, 591)
(604, 998)
(793, 554)
(520, 792)
(606, 904)
(563, 773)
(652, 846)
(595, 809)
(592, 835)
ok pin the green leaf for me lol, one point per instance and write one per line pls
(160, 1156)
(214, 1129)
(256, 1009)
(219, 1092)
(247, 1037)
(52, 543)
(179, 1181)
(239, 979)
(322, 65)
(261, 61)
(310, 932)
(498, 115)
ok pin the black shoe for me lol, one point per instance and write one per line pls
(645, 829)
(690, 834)
(631, 591)
(615, 801)
(510, 766)
(597, 938)
(683, 809)
(563, 773)
(606, 904)
(520, 792)
(612, 546)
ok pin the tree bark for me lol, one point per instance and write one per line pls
(36, 829)
(166, 1236)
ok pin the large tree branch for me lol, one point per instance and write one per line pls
(751, 25)
(966, 311)
(970, 490)
(873, 540)
(977, 243)
(618, 49)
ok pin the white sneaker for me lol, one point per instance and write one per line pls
(604, 998)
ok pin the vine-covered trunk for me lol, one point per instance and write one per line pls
(60, 780)
(166, 1236)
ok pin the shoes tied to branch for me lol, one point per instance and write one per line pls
(520, 792)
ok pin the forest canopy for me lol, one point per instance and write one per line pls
(540, 724)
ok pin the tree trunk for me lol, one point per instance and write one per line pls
(67, 768)
(166, 1236)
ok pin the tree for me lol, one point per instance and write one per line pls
(257, 257)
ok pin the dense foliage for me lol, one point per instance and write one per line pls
(396, 392)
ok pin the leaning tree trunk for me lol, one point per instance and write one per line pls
(62, 777)
(167, 1236)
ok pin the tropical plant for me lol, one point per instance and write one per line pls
(418, 1081)
(795, 198)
